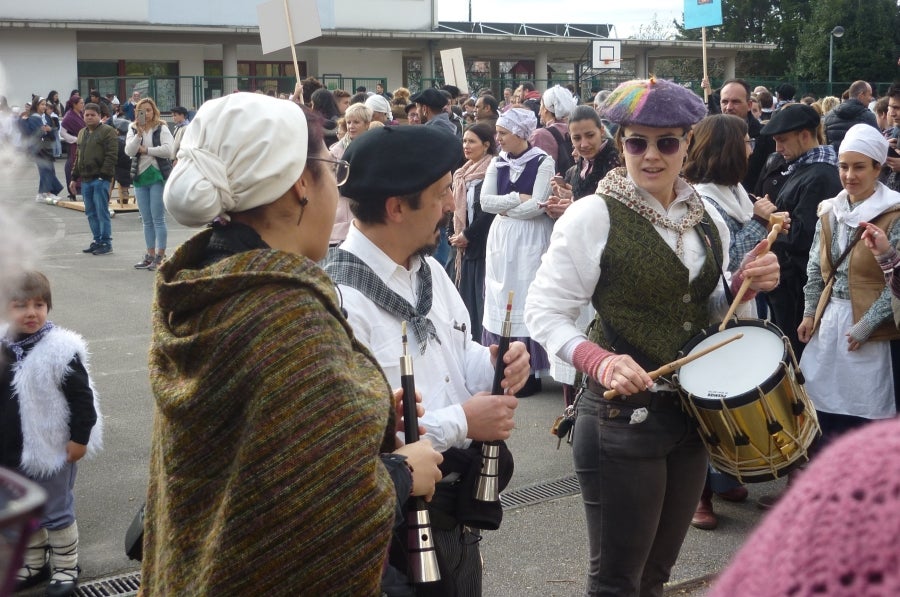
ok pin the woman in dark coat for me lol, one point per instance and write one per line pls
(470, 222)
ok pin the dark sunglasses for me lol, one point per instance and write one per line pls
(664, 145)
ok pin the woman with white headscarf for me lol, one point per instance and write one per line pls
(557, 104)
(516, 187)
(851, 359)
(265, 474)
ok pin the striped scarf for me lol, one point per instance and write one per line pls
(20, 347)
(348, 269)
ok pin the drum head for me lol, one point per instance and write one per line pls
(736, 369)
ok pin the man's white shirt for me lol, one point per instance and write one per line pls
(448, 373)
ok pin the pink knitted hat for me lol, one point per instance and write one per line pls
(836, 532)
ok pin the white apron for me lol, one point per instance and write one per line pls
(858, 383)
(513, 255)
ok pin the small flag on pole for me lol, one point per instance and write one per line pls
(702, 13)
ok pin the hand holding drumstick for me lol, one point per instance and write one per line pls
(759, 270)
(676, 364)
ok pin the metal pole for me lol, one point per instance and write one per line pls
(830, 54)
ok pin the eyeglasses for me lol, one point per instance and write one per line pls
(341, 169)
(664, 145)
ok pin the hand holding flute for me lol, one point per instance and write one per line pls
(423, 565)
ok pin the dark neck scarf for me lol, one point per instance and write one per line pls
(20, 347)
(346, 268)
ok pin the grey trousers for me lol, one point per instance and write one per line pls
(59, 510)
(640, 484)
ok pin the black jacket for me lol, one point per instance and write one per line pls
(839, 120)
(764, 147)
(477, 230)
(75, 387)
(804, 189)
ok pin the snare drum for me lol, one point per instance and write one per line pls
(748, 399)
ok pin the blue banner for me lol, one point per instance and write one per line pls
(702, 13)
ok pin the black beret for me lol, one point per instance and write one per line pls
(430, 97)
(792, 117)
(392, 161)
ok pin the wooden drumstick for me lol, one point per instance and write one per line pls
(777, 222)
(670, 367)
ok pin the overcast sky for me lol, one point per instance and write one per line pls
(627, 19)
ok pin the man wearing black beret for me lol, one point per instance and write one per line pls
(812, 177)
(431, 104)
(399, 191)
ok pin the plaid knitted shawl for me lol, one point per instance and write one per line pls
(265, 476)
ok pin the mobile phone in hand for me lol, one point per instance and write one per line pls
(141, 118)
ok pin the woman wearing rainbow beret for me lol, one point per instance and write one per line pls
(637, 250)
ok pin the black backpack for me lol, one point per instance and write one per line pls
(563, 157)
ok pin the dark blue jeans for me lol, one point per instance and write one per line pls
(640, 483)
(96, 208)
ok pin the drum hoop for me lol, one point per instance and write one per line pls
(750, 396)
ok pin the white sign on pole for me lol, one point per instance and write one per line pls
(273, 32)
(606, 53)
(455, 69)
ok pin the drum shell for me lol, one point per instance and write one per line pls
(760, 434)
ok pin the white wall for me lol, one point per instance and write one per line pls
(397, 15)
(36, 62)
(402, 15)
(65, 10)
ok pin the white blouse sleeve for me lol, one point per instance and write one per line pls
(568, 274)
(491, 202)
(539, 194)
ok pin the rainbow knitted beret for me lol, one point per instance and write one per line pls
(653, 102)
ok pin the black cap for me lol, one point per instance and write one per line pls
(180, 110)
(430, 97)
(792, 117)
(786, 91)
(392, 161)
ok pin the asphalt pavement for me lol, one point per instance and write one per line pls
(541, 548)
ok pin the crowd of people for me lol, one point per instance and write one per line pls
(105, 143)
(598, 239)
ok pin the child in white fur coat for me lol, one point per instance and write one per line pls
(49, 420)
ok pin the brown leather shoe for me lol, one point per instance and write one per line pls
(736, 494)
(704, 517)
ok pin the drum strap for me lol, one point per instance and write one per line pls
(708, 238)
(829, 283)
(620, 345)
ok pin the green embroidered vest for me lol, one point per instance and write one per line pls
(644, 294)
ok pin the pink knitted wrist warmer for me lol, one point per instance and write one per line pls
(588, 357)
(736, 280)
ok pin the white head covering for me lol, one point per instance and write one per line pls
(378, 103)
(241, 151)
(559, 101)
(521, 122)
(865, 139)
